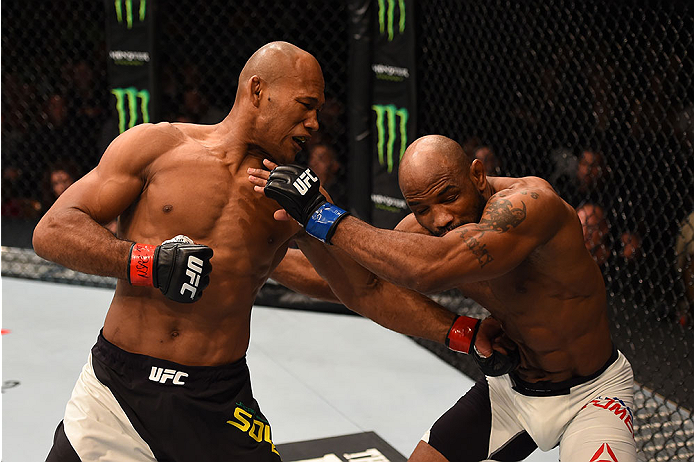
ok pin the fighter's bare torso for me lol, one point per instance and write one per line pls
(198, 187)
(553, 304)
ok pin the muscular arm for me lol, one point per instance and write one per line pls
(297, 273)
(512, 225)
(333, 276)
(396, 308)
(71, 232)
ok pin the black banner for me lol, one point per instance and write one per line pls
(393, 107)
(359, 109)
(130, 27)
(357, 447)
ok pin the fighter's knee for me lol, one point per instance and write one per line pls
(424, 452)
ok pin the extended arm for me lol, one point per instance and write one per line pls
(297, 273)
(391, 306)
(512, 225)
(409, 312)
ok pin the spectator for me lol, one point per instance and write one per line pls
(330, 117)
(86, 99)
(322, 158)
(58, 178)
(56, 138)
(595, 232)
(588, 177)
(631, 245)
(591, 174)
(491, 162)
(684, 248)
(323, 161)
(15, 204)
(471, 144)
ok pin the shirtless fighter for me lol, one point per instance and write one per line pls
(514, 246)
(167, 378)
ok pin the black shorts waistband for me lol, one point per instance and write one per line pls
(546, 388)
(153, 369)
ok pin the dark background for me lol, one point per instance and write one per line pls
(538, 82)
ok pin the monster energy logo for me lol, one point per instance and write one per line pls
(388, 115)
(386, 17)
(130, 114)
(129, 11)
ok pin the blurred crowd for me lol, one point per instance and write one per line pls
(617, 232)
(57, 123)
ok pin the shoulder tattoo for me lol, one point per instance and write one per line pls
(500, 215)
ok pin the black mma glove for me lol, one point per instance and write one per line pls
(178, 267)
(461, 337)
(498, 363)
(297, 190)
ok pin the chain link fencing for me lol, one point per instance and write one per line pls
(596, 97)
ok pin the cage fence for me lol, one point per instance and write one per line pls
(596, 97)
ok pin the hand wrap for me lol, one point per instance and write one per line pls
(461, 337)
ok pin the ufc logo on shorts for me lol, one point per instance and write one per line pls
(161, 375)
(193, 272)
(303, 183)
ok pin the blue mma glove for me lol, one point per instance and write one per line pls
(297, 190)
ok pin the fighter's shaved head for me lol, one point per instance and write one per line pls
(277, 60)
(430, 156)
(441, 184)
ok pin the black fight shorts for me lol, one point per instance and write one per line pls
(128, 406)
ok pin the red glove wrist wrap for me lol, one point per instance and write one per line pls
(461, 335)
(141, 265)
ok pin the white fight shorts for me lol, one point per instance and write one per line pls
(506, 419)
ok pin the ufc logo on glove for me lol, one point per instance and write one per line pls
(176, 267)
(193, 272)
(310, 208)
(303, 183)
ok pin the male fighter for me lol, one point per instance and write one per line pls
(167, 378)
(514, 246)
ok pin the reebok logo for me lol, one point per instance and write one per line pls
(161, 375)
(193, 272)
(303, 183)
(604, 454)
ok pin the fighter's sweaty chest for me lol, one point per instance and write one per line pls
(216, 207)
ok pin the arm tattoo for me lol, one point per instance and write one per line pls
(478, 249)
(499, 216)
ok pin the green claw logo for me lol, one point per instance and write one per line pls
(386, 17)
(129, 11)
(387, 116)
(131, 95)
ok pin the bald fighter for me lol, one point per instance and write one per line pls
(514, 246)
(167, 378)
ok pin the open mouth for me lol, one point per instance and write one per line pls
(300, 140)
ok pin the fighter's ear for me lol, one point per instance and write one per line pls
(255, 90)
(478, 174)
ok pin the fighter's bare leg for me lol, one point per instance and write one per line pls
(425, 453)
